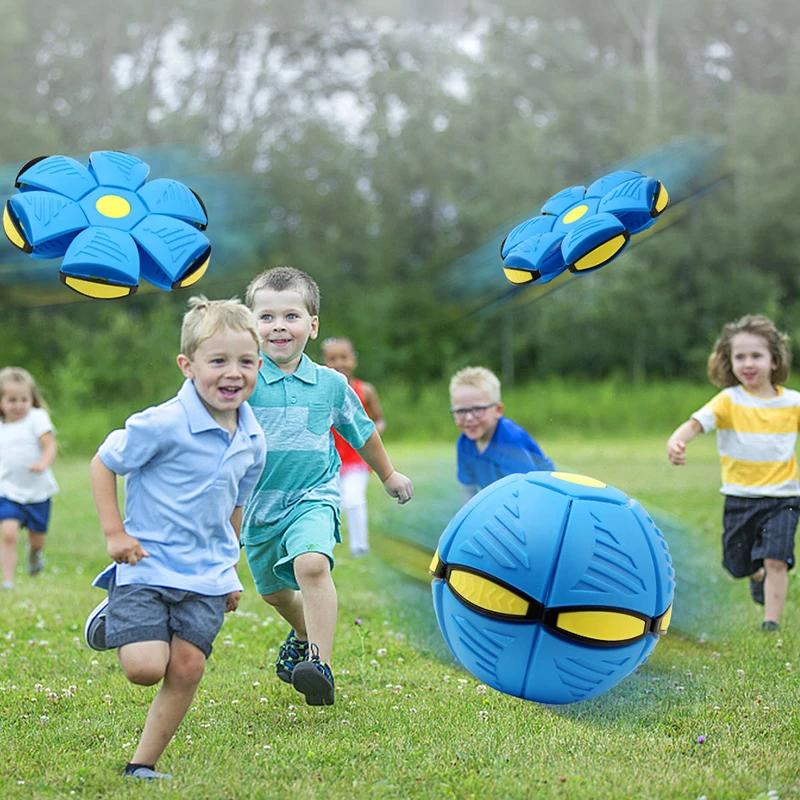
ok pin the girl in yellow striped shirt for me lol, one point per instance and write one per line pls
(756, 420)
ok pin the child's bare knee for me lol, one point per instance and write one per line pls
(143, 674)
(311, 567)
(774, 565)
(187, 667)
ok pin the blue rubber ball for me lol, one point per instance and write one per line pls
(552, 586)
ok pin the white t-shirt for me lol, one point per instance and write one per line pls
(19, 448)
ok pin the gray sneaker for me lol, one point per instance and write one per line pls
(35, 562)
(94, 630)
(145, 774)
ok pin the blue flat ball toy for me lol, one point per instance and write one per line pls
(583, 229)
(107, 225)
(551, 586)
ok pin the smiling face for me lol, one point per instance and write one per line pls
(285, 326)
(475, 414)
(751, 362)
(16, 401)
(224, 369)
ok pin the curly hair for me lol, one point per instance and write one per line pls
(720, 369)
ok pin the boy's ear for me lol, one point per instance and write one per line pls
(500, 408)
(314, 328)
(185, 365)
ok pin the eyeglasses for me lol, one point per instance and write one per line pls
(606, 627)
(476, 411)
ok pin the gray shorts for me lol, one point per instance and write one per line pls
(756, 528)
(140, 613)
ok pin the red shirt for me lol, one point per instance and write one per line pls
(350, 458)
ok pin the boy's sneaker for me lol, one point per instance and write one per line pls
(770, 625)
(314, 679)
(757, 591)
(35, 562)
(94, 630)
(145, 774)
(292, 652)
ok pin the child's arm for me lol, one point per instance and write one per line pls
(373, 406)
(395, 484)
(232, 600)
(676, 444)
(123, 548)
(48, 442)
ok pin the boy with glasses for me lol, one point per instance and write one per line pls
(491, 446)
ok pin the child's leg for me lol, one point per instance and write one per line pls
(289, 604)
(353, 492)
(182, 665)
(776, 584)
(9, 533)
(313, 574)
(36, 542)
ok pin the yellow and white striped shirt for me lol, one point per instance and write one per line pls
(756, 440)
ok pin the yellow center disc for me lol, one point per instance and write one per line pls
(575, 214)
(111, 205)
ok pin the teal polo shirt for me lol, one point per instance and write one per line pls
(296, 413)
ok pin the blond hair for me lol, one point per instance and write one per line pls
(19, 375)
(479, 378)
(720, 369)
(206, 317)
(283, 279)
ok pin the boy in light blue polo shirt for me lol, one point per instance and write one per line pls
(291, 521)
(189, 465)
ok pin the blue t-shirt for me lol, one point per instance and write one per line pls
(510, 450)
(184, 475)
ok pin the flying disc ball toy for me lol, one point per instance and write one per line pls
(551, 586)
(107, 225)
(583, 229)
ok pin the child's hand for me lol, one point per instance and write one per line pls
(676, 451)
(232, 601)
(37, 467)
(399, 486)
(125, 549)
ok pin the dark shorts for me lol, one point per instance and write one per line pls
(33, 516)
(756, 528)
(140, 613)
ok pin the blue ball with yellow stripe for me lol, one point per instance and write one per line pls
(582, 229)
(552, 586)
(107, 224)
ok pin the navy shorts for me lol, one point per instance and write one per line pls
(33, 516)
(141, 613)
(756, 528)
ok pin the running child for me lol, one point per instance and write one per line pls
(339, 354)
(756, 420)
(490, 446)
(291, 521)
(27, 449)
(189, 464)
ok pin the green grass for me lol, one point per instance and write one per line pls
(408, 721)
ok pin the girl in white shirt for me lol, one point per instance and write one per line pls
(27, 449)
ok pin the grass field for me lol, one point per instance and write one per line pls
(714, 712)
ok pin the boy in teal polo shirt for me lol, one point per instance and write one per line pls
(189, 464)
(291, 521)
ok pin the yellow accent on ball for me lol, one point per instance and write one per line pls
(11, 231)
(581, 479)
(196, 275)
(102, 291)
(662, 201)
(434, 561)
(665, 620)
(112, 205)
(575, 214)
(604, 626)
(601, 254)
(486, 594)
(518, 275)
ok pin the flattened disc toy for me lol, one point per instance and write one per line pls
(109, 226)
(583, 229)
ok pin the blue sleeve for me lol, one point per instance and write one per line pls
(465, 472)
(132, 447)
(531, 455)
(250, 478)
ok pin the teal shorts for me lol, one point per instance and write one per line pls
(272, 562)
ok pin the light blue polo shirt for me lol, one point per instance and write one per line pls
(296, 413)
(184, 475)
